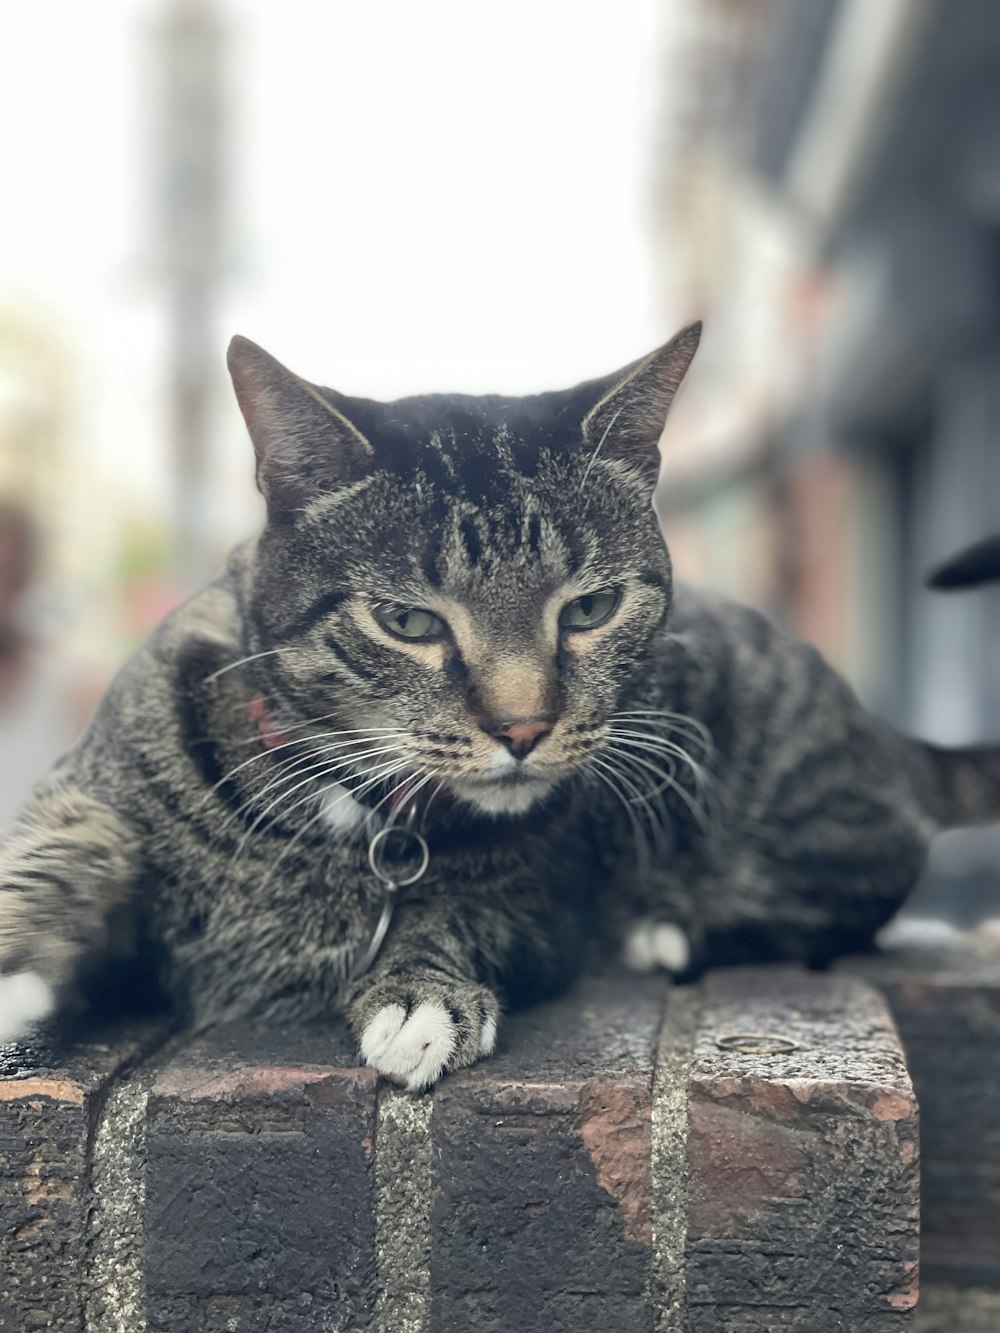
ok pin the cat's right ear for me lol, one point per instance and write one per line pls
(305, 447)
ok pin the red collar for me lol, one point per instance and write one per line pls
(270, 733)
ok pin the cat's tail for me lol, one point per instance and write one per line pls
(976, 564)
(959, 787)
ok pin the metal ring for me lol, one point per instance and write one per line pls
(394, 880)
(756, 1043)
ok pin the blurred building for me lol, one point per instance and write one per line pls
(831, 204)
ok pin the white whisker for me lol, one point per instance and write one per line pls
(611, 778)
(667, 782)
(253, 657)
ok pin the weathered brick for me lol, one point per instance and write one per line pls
(946, 1003)
(259, 1205)
(540, 1164)
(785, 1184)
(50, 1098)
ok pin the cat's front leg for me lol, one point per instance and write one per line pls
(423, 1008)
(431, 1002)
(69, 861)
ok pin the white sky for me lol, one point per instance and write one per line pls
(426, 196)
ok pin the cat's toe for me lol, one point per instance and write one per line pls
(25, 999)
(657, 944)
(415, 1035)
(414, 1049)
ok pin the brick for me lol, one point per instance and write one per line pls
(259, 1199)
(540, 1163)
(50, 1100)
(785, 1184)
(946, 1003)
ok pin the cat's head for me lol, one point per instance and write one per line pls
(458, 588)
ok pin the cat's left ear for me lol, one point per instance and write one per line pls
(627, 421)
(305, 447)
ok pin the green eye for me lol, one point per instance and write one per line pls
(589, 611)
(410, 622)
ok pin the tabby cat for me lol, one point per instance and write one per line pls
(456, 656)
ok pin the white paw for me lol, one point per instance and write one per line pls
(918, 932)
(24, 999)
(653, 944)
(488, 1036)
(413, 1050)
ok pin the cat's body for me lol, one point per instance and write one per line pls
(577, 762)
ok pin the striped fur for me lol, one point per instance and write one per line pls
(701, 769)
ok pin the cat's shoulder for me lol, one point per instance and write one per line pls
(713, 614)
(730, 633)
(210, 617)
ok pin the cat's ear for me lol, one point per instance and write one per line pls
(628, 419)
(305, 447)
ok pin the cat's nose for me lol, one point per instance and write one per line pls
(522, 735)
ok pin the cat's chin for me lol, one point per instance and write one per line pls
(502, 798)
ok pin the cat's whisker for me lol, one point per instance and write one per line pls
(671, 723)
(329, 767)
(636, 796)
(442, 783)
(674, 721)
(659, 745)
(276, 749)
(323, 810)
(333, 767)
(650, 802)
(610, 777)
(385, 772)
(253, 657)
(393, 811)
(703, 779)
(667, 782)
(425, 775)
(312, 722)
(322, 766)
(655, 741)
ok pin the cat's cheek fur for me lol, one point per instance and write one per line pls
(25, 999)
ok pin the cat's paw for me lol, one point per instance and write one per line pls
(413, 1032)
(25, 999)
(656, 944)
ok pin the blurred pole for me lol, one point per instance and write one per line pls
(189, 52)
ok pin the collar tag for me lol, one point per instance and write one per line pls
(399, 840)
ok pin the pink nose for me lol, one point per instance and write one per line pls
(522, 736)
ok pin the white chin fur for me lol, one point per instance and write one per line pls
(25, 999)
(502, 800)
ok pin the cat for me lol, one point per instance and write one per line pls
(454, 676)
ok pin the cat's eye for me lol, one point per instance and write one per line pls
(411, 622)
(590, 610)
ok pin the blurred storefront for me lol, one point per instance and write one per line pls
(832, 206)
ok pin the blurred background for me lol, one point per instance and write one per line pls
(395, 198)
